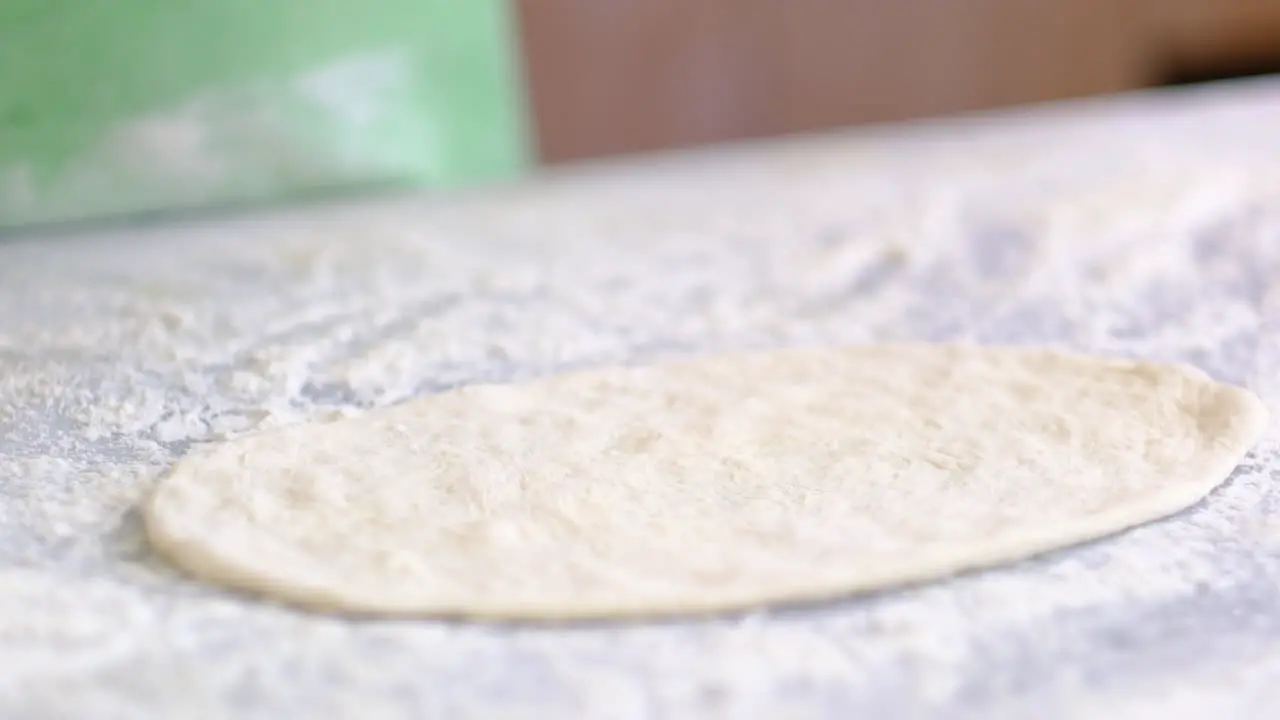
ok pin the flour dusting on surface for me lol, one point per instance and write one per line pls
(1148, 228)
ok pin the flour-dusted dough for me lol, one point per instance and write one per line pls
(709, 484)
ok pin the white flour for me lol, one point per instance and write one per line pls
(1148, 228)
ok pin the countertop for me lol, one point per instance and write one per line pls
(1145, 225)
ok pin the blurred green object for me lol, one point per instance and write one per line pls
(120, 106)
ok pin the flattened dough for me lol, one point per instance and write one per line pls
(711, 484)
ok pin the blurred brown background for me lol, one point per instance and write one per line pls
(614, 76)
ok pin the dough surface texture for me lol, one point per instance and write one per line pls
(703, 485)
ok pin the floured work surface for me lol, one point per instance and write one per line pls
(1144, 227)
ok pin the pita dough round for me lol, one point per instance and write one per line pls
(711, 484)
